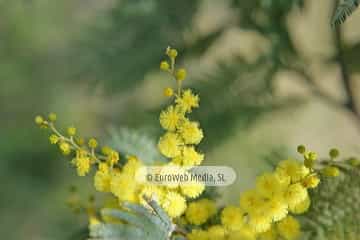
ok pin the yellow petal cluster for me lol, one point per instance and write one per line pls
(170, 118)
(192, 190)
(170, 145)
(200, 211)
(187, 101)
(289, 228)
(123, 184)
(82, 162)
(276, 193)
(232, 217)
(174, 204)
(102, 178)
(190, 132)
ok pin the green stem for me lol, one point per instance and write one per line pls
(71, 141)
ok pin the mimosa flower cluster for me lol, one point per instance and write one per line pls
(266, 212)
(177, 143)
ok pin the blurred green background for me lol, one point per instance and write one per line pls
(271, 74)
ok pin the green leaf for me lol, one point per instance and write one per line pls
(136, 142)
(106, 231)
(343, 11)
(334, 211)
(139, 223)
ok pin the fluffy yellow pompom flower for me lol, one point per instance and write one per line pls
(216, 232)
(295, 170)
(270, 234)
(124, 187)
(250, 200)
(276, 207)
(82, 162)
(170, 118)
(311, 181)
(169, 145)
(174, 204)
(232, 217)
(283, 178)
(192, 190)
(259, 222)
(102, 178)
(191, 157)
(152, 192)
(289, 228)
(132, 165)
(188, 101)
(245, 233)
(295, 194)
(197, 234)
(200, 211)
(190, 132)
(268, 185)
(301, 207)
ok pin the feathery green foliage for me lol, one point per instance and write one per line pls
(137, 143)
(335, 209)
(138, 223)
(343, 11)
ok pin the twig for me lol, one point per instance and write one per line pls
(345, 76)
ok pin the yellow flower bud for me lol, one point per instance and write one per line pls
(309, 159)
(164, 65)
(301, 149)
(113, 157)
(180, 74)
(80, 141)
(168, 92)
(65, 148)
(331, 171)
(52, 117)
(334, 153)
(311, 181)
(92, 143)
(53, 139)
(71, 131)
(312, 156)
(171, 52)
(39, 120)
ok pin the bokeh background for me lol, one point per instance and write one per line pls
(271, 74)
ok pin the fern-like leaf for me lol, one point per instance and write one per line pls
(335, 209)
(343, 11)
(135, 142)
(138, 223)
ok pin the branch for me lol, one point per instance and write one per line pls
(315, 88)
(345, 76)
